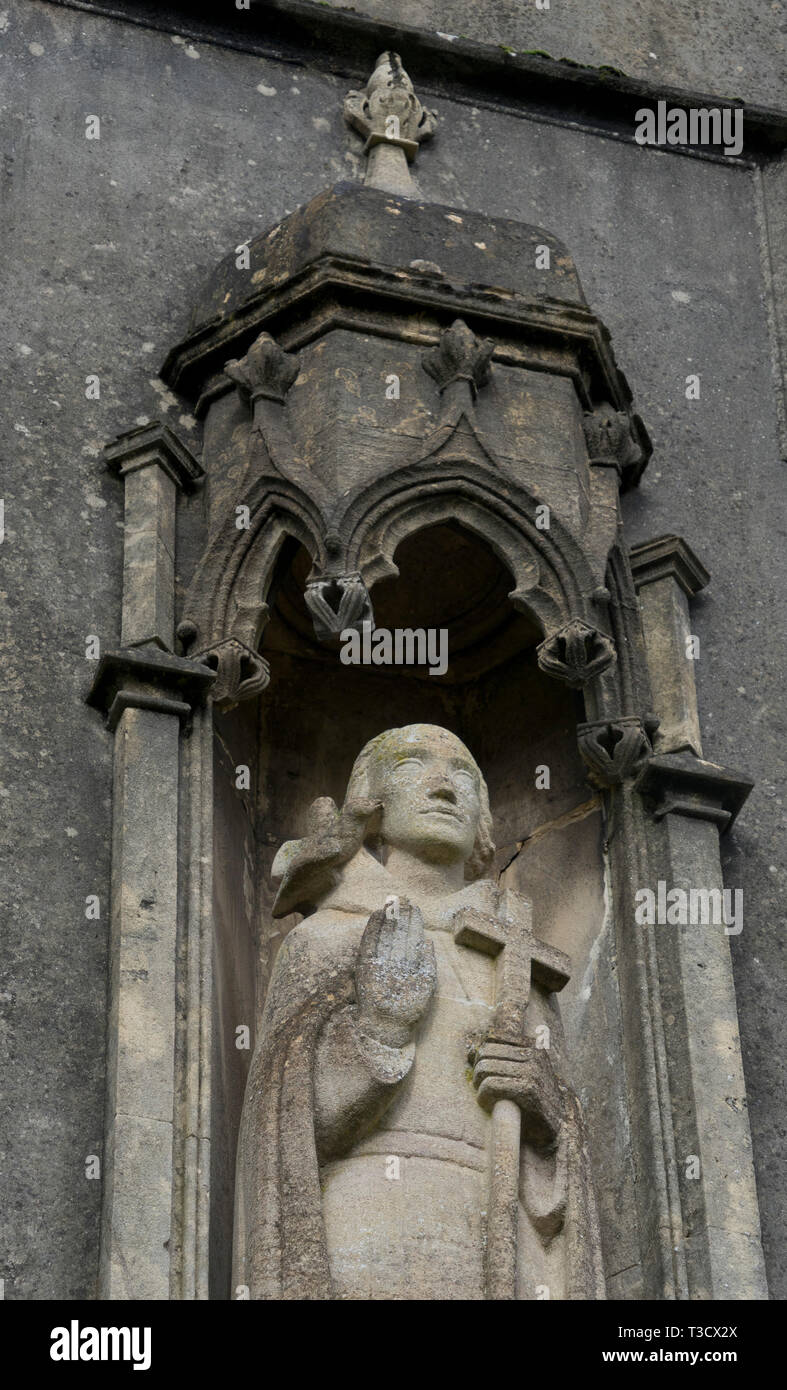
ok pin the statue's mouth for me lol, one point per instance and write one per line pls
(442, 811)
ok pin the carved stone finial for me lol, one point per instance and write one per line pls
(460, 356)
(576, 653)
(240, 673)
(336, 603)
(266, 373)
(394, 123)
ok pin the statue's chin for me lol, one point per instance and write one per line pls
(439, 846)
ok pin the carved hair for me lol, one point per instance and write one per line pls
(360, 787)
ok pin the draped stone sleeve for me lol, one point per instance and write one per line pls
(309, 1046)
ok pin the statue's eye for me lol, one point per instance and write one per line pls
(466, 778)
(408, 764)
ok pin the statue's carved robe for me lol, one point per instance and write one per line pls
(321, 1209)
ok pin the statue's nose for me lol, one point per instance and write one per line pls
(439, 784)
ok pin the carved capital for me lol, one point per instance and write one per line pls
(388, 111)
(617, 440)
(240, 672)
(681, 784)
(668, 557)
(460, 356)
(154, 444)
(266, 373)
(148, 678)
(576, 653)
(336, 603)
(613, 749)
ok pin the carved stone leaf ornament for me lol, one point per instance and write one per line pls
(338, 603)
(240, 673)
(266, 372)
(576, 653)
(388, 110)
(613, 749)
(616, 439)
(460, 356)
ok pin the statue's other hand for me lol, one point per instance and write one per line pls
(353, 823)
(526, 1076)
(395, 975)
(307, 868)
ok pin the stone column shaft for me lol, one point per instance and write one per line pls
(149, 558)
(154, 466)
(140, 1082)
(667, 574)
(721, 1216)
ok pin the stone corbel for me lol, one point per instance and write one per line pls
(576, 653)
(148, 679)
(616, 439)
(681, 784)
(337, 603)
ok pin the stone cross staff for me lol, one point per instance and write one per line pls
(520, 956)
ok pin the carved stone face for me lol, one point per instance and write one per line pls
(429, 786)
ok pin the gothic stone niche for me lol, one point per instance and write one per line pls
(413, 420)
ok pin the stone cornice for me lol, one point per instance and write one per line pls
(563, 338)
(328, 297)
(683, 785)
(150, 444)
(667, 556)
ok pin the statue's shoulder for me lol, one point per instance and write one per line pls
(325, 934)
(315, 960)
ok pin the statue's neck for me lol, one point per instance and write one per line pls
(417, 878)
(365, 885)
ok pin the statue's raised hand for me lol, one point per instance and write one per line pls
(395, 975)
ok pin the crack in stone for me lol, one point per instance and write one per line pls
(577, 813)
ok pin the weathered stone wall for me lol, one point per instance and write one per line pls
(203, 146)
(730, 48)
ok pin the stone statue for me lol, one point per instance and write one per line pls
(407, 1132)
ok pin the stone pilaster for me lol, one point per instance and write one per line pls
(693, 801)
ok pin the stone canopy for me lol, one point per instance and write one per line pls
(363, 256)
